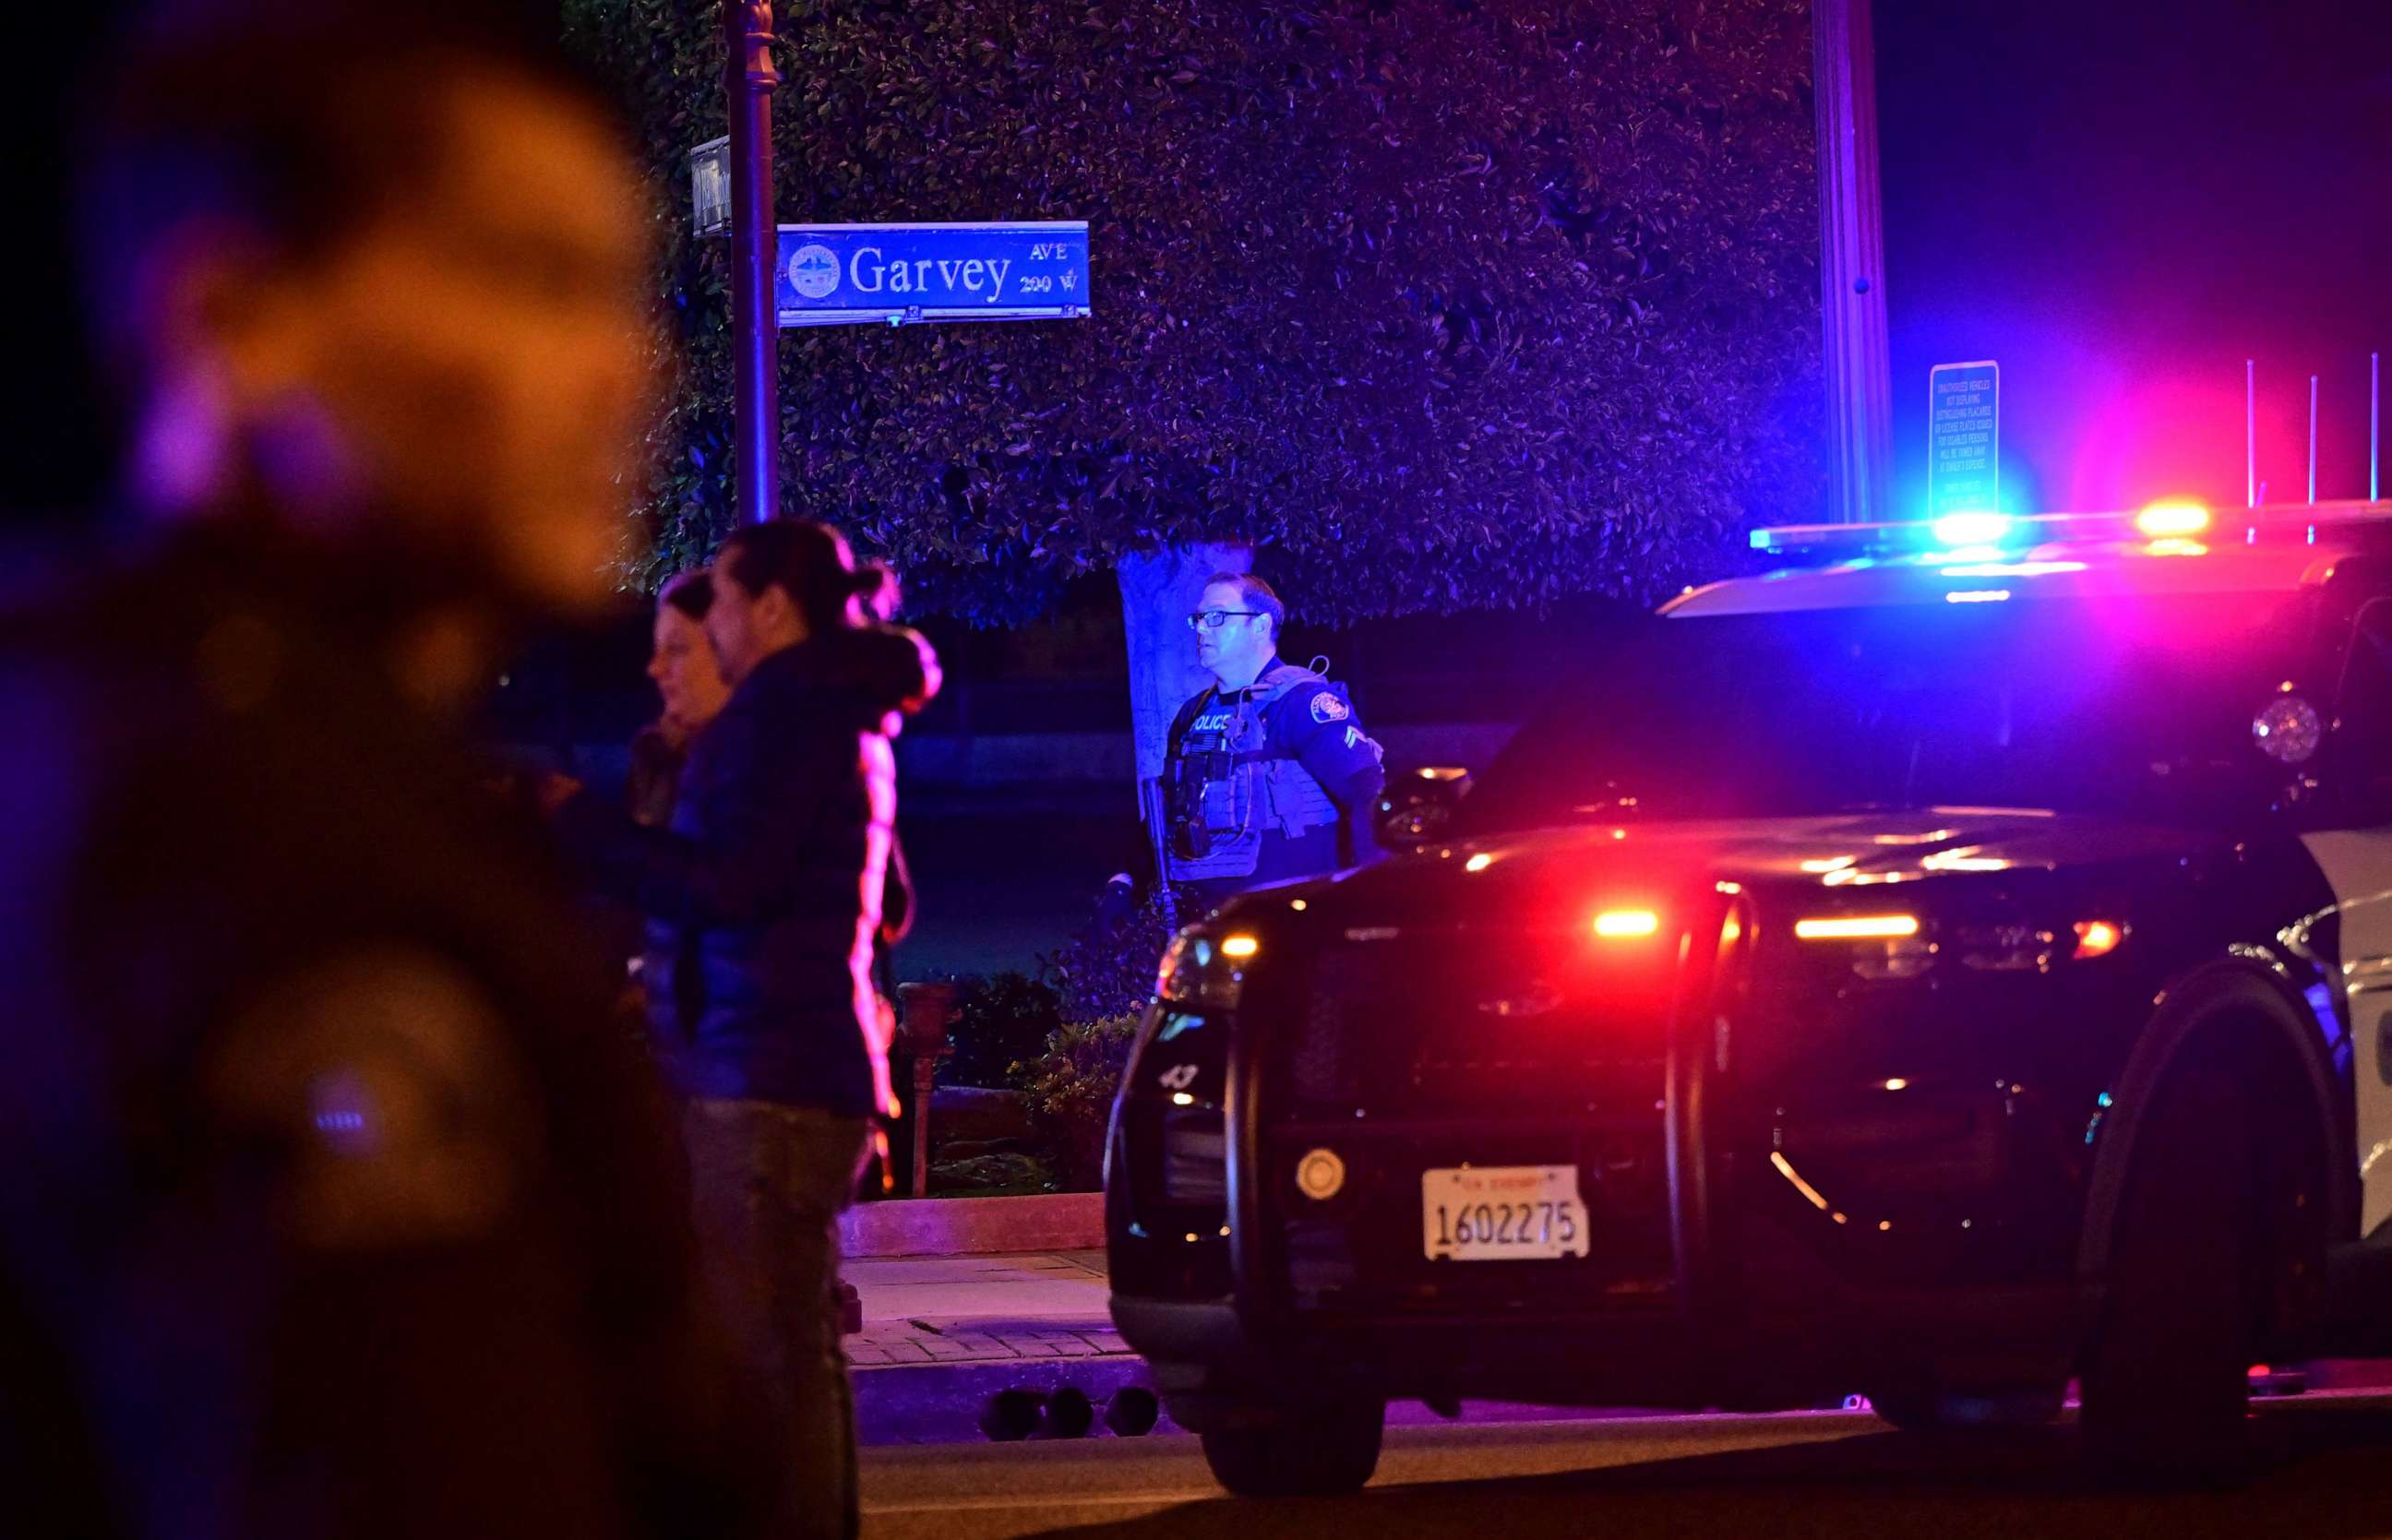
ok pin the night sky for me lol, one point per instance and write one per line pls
(2123, 200)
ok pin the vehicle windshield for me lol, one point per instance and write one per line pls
(2138, 706)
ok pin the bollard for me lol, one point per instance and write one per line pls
(1011, 1415)
(1069, 1415)
(1133, 1412)
(929, 1010)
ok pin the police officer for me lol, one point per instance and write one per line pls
(1269, 776)
(333, 1205)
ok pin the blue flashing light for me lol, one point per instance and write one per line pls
(1976, 596)
(1972, 529)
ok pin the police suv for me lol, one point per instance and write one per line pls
(1947, 972)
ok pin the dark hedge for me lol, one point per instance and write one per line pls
(1453, 304)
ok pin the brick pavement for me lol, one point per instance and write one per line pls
(976, 1310)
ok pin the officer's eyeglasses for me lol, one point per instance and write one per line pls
(1213, 620)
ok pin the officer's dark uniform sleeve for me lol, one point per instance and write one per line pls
(762, 853)
(1327, 740)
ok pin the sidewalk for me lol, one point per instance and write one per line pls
(944, 1335)
(959, 1310)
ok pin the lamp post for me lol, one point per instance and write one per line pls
(748, 82)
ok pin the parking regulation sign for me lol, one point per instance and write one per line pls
(1964, 438)
(834, 275)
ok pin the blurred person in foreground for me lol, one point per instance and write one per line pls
(773, 873)
(335, 1206)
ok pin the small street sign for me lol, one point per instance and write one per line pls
(1964, 418)
(710, 186)
(836, 275)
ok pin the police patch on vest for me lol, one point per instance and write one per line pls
(1327, 708)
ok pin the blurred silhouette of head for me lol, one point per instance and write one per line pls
(782, 582)
(374, 271)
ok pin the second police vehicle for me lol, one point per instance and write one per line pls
(1949, 971)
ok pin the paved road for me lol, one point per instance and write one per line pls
(2328, 1475)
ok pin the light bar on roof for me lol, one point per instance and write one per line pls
(1995, 536)
(1972, 529)
(2162, 519)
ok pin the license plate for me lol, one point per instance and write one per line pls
(1502, 1213)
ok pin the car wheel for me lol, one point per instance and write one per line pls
(2165, 1387)
(1313, 1451)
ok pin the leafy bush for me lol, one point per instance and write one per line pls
(1001, 1024)
(1109, 973)
(1453, 304)
(1071, 1092)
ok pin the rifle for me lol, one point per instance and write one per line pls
(1154, 809)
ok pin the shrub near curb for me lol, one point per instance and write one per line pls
(1001, 1023)
(1071, 1091)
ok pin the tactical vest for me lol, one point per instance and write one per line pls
(1226, 783)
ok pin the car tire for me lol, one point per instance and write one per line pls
(1312, 1451)
(2165, 1383)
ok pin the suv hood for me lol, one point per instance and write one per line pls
(1488, 880)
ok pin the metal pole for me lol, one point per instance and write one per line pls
(1852, 262)
(2250, 433)
(748, 83)
(2375, 419)
(2313, 379)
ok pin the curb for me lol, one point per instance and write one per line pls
(969, 1226)
(942, 1403)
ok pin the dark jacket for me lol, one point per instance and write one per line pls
(649, 792)
(654, 775)
(771, 877)
(334, 1205)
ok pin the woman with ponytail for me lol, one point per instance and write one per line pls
(774, 873)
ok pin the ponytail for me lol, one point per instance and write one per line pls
(811, 563)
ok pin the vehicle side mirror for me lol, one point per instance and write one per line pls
(2288, 731)
(1417, 805)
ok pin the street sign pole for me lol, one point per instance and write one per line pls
(749, 81)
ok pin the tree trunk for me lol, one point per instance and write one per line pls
(1159, 592)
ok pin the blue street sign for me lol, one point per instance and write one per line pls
(831, 275)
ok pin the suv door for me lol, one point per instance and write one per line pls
(2353, 848)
